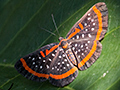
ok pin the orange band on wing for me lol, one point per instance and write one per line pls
(71, 71)
(31, 71)
(74, 33)
(48, 51)
(41, 52)
(95, 41)
(68, 73)
(81, 26)
(53, 48)
(89, 55)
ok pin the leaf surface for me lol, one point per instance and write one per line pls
(20, 33)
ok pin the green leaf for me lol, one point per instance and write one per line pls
(20, 33)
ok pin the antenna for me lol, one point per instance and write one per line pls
(55, 24)
(48, 31)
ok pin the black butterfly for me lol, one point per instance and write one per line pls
(59, 62)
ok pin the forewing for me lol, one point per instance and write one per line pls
(94, 19)
(62, 71)
(36, 66)
(85, 35)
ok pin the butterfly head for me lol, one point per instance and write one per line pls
(63, 42)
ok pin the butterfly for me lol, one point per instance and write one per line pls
(59, 62)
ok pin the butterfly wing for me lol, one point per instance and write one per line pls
(90, 22)
(55, 66)
(36, 66)
(84, 36)
(62, 71)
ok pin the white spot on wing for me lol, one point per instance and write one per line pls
(82, 53)
(33, 58)
(52, 68)
(43, 60)
(63, 55)
(59, 56)
(33, 63)
(88, 41)
(92, 29)
(79, 56)
(53, 54)
(89, 18)
(93, 23)
(55, 66)
(68, 65)
(78, 50)
(55, 50)
(73, 48)
(86, 30)
(39, 57)
(82, 35)
(58, 63)
(47, 66)
(75, 45)
(86, 44)
(66, 51)
(88, 14)
(64, 67)
(77, 36)
(86, 47)
(81, 46)
(49, 59)
(65, 60)
(85, 24)
(89, 35)
(92, 20)
(40, 67)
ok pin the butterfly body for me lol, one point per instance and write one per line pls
(59, 62)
